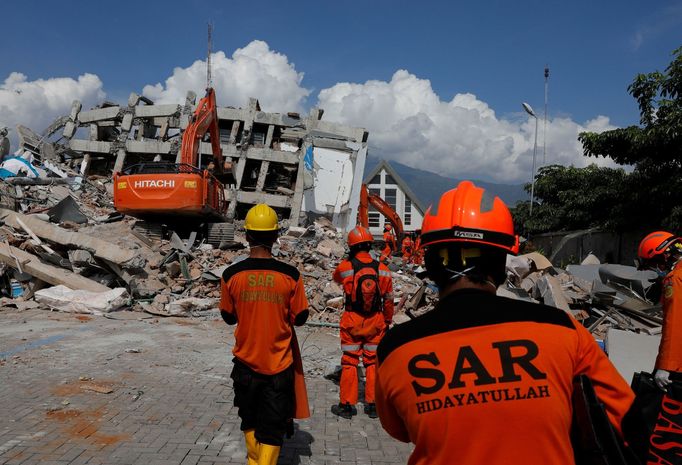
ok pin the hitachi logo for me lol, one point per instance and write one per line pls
(156, 184)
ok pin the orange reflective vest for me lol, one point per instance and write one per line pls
(482, 379)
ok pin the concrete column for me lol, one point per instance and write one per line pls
(262, 174)
(85, 164)
(120, 159)
(234, 132)
(268, 137)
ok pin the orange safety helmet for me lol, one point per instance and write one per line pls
(654, 244)
(470, 214)
(359, 235)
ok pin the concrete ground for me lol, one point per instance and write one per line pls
(77, 389)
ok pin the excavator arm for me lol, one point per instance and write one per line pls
(382, 207)
(204, 119)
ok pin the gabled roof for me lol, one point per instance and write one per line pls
(384, 164)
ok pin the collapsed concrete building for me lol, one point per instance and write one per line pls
(300, 165)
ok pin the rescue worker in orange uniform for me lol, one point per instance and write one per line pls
(265, 298)
(482, 379)
(368, 290)
(407, 247)
(417, 250)
(661, 252)
(390, 243)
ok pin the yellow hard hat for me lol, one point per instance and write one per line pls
(261, 218)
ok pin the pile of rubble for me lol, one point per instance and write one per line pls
(59, 229)
(601, 296)
(68, 235)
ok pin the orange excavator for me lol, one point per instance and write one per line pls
(172, 193)
(367, 199)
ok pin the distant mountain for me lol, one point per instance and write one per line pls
(429, 186)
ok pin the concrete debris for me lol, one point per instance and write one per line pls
(601, 296)
(591, 259)
(25, 262)
(101, 249)
(630, 352)
(79, 301)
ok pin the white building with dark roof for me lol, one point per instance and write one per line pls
(385, 182)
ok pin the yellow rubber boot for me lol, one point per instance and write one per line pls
(251, 447)
(267, 454)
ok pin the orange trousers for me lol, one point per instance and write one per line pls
(360, 335)
(386, 253)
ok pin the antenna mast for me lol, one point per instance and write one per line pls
(209, 78)
(544, 130)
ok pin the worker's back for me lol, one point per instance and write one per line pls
(487, 380)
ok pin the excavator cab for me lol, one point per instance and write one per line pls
(159, 190)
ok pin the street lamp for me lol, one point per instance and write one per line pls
(530, 111)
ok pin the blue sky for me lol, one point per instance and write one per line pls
(495, 51)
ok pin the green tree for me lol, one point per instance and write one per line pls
(652, 192)
(573, 198)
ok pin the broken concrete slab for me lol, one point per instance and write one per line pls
(31, 264)
(551, 293)
(631, 352)
(591, 259)
(98, 247)
(540, 261)
(67, 210)
(185, 307)
(80, 301)
(630, 277)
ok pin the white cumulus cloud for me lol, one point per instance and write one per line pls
(252, 71)
(37, 103)
(409, 123)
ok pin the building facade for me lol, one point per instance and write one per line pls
(385, 182)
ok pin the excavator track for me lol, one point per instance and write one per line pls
(219, 233)
(152, 231)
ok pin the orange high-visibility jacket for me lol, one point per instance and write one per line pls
(407, 246)
(483, 379)
(389, 239)
(265, 295)
(343, 274)
(670, 350)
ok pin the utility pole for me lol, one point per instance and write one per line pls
(544, 129)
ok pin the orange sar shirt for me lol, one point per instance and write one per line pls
(265, 295)
(343, 274)
(670, 350)
(483, 379)
(389, 239)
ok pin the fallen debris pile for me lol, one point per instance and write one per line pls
(69, 236)
(601, 296)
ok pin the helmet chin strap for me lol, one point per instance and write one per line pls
(458, 274)
(462, 274)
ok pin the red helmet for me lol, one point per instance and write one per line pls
(358, 235)
(655, 244)
(387, 226)
(470, 214)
